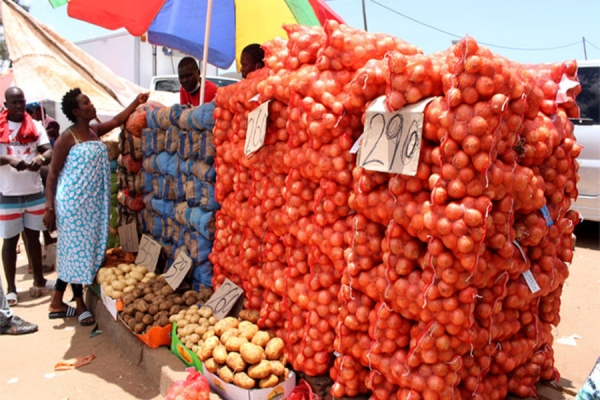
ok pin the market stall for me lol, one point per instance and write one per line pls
(397, 222)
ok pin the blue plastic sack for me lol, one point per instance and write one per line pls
(198, 118)
(172, 140)
(198, 246)
(202, 275)
(166, 164)
(200, 194)
(201, 221)
(160, 206)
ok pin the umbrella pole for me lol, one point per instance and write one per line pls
(205, 50)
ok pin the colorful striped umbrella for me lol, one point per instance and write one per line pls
(181, 24)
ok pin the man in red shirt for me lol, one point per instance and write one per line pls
(189, 78)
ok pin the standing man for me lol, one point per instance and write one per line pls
(24, 148)
(189, 78)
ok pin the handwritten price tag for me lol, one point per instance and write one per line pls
(128, 236)
(257, 128)
(531, 282)
(392, 140)
(223, 300)
(148, 253)
(175, 275)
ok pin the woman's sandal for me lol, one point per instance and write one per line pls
(86, 318)
(37, 291)
(68, 313)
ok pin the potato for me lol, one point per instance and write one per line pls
(252, 353)
(205, 312)
(140, 268)
(190, 301)
(201, 330)
(220, 354)
(194, 338)
(150, 275)
(128, 299)
(225, 373)
(175, 309)
(235, 362)
(148, 290)
(234, 343)
(247, 329)
(129, 309)
(229, 333)
(141, 305)
(161, 314)
(131, 282)
(208, 347)
(178, 300)
(128, 289)
(277, 367)
(269, 381)
(138, 292)
(209, 333)
(139, 327)
(118, 272)
(274, 348)
(148, 319)
(124, 267)
(194, 318)
(131, 323)
(242, 380)
(141, 286)
(149, 298)
(166, 290)
(139, 316)
(261, 338)
(224, 324)
(250, 315)
(261, 370)
(117, 294)
(211, 365)
(212, 320)
(153, 309)
(165, 305)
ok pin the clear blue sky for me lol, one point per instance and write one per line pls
(533, 26)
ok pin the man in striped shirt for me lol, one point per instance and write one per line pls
(24, 148)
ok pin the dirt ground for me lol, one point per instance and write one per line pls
(27, 362)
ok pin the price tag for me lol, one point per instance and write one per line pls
(174, 275)
(392, 140)
(257, 128)
(128, 237)
(148, 253)
(223, 300)
(531, 282)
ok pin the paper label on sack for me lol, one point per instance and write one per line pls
(531, 282)
(565, 85)
(148, 253)
(392, 140)
(128, 237)
(223, 300)
(257, 128)
(177, 272)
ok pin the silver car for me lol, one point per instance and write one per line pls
(587, 134)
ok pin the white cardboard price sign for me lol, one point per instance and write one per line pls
(223, 300)
(257, 128)
(128, 237)
(174, 275)
(148, 253)
(392, 140)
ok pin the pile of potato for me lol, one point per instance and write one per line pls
(152, 303)
(116, 281)
(242, 354)
(193, 324)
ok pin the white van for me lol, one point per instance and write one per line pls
(169, 86)
(587, 134)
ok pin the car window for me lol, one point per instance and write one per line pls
(589, 98)
(221, 82)
(167, 85)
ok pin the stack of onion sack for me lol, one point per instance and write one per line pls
(401, 286)
(112, 145)
(129, 177)
(179, 184)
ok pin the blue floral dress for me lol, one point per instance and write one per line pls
(82, 203)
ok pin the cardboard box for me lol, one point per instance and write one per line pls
(186, 355)
(229, 391)
(113, 306)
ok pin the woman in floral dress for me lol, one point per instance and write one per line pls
(78, 200)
